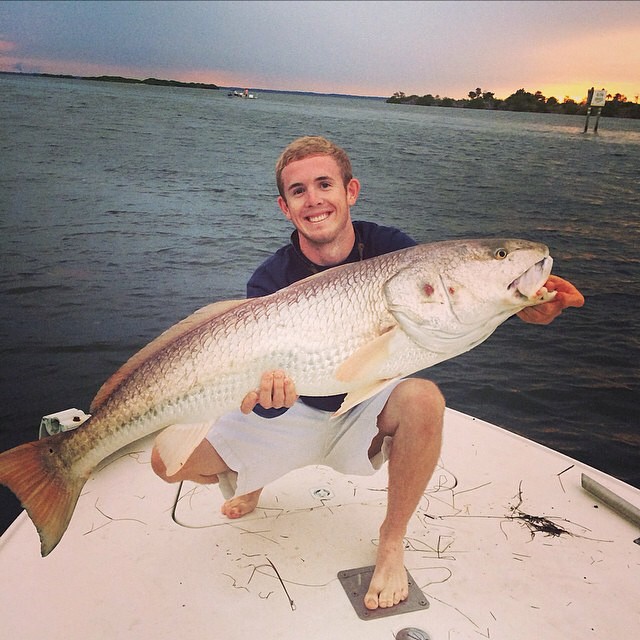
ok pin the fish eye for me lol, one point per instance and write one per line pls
(500, 254)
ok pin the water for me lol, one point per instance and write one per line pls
(124, 208)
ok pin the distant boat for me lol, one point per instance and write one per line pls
(241, 94)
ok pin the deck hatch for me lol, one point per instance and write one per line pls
(355, 582)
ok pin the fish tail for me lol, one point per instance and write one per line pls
(46, 488)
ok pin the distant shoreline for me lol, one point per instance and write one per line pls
(616, 106)
(177, 83)
(149, 81)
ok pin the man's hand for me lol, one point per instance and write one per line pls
(566, 296)
(275, 392)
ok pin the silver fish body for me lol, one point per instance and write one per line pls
(350, 329)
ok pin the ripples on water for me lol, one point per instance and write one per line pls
(124, 208)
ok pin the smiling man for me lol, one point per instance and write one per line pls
(275, 431)
(317, 201)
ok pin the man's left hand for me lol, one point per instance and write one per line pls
(276, 391)
(566, 296)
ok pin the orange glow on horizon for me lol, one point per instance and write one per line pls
(576, 90)
(6, 45)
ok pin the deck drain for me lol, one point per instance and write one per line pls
(412, 633)
(322, 493)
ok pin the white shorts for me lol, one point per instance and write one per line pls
(261, 450)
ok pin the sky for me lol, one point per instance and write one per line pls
(359, 48)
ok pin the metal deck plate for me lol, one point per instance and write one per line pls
(355, 582)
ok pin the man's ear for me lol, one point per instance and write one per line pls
(353, 189)
(282, 203)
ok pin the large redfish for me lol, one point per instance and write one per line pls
(351, 329)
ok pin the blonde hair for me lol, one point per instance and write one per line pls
(312, 146)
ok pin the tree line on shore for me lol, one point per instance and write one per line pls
(149, 81)
(617, 105)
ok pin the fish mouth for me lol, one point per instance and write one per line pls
(530, 284)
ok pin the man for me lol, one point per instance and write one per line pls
(275, 431)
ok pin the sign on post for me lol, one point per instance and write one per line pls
(599, 98)
(596, 99)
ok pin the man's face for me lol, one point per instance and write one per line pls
(316, 200)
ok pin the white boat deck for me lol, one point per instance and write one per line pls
(505, 545)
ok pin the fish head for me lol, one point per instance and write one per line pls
(454, 294)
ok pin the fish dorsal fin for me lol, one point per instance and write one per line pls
(183, 327)
(360, 395)
(176, 443)
(363, 362)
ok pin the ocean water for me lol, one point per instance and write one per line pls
(124, 208)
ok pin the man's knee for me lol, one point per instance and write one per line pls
(417, 403)
(422, 397)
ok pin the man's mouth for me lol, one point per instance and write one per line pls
(318, 218)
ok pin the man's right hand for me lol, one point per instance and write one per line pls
(275, 392)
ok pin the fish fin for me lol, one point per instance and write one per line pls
(363, 362)
(47, 491)
(176, 443)
(183, 327)
(360, 395)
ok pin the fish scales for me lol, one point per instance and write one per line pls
(226, 360)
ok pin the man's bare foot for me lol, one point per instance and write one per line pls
(241, 505)
(389, 583)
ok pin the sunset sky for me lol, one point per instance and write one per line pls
(361, 48)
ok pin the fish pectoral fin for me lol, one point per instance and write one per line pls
(360, 395)
(176, 443)
(363, 362)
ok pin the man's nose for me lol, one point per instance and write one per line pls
(314, 196)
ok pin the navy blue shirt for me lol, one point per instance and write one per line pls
(289, 264)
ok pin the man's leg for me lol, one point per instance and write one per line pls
(413, 415)
(203, 467)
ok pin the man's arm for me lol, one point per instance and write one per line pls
(566, 296)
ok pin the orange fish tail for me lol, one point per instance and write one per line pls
(47, 490)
